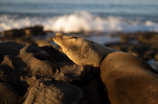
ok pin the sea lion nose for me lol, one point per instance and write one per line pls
(57, 35)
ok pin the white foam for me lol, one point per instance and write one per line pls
(76, 22)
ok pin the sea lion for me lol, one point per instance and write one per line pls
(80, 51)
(127, 79)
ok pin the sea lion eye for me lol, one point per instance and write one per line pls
(73, 37)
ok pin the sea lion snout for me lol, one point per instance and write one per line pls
(57, 35)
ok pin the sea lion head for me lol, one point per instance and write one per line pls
(79, 50)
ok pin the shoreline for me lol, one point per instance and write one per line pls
(141, 44)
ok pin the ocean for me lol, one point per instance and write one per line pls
(80, 15)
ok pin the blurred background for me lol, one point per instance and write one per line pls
(80, 15)
(126, 25)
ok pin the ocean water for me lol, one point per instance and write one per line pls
(80, 15)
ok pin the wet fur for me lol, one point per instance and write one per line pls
(126, 79)
(129, 80)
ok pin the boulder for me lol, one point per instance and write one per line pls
(8, 94)
(40, 75)
(57, 92)
(94, 94)
(42, 42)
(156, 56)
(10, 48)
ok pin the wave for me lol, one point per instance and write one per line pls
(77, 22)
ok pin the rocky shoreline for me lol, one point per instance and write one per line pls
(35, 71)
(141, 44)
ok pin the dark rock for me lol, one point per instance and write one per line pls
(56, 55)
(156, 56)
(124, 38)
(29, 73)
(141, 44)
(12, 34)
(94, 94)
(8, 74)
(42, 42)
(35, 30)
(23, 36)
(10, 48)
(149, 38)
(118, 46)
(149, 54)
(53, 93)
(24, 33)
(8, 95)
(38, 63)
(138, 50)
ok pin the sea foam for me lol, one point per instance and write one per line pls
(77, 22)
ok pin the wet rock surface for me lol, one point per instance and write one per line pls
(23, 33)
(34, 71)
(44, 75)
(141, 44)
(23, 36)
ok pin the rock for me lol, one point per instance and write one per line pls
(26, 33)
(22, 36)
(35, 30)
(8, 95)
(38, 63)
(30, 73)
(24, 41)
(8, 72)
(58, 56)
(149, 38)
(156, 56)
(138, 50)
(12, 34)
(94, 94)
(73, 74)
(58, 92)
(149, 54)
(42, 42)
(124, 38)
(141, 44)
(10, 48)
(118, 46)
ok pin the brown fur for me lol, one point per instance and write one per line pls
(129, 80)
(126, 79)
(81, 51)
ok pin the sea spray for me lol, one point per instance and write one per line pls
(77, 22)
